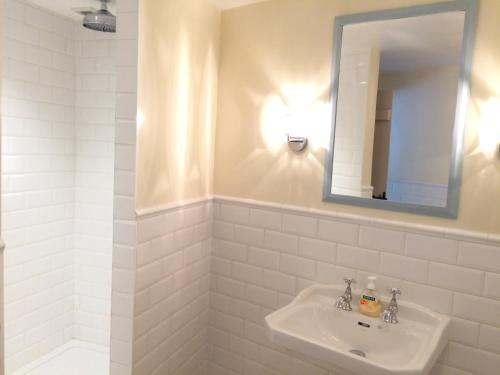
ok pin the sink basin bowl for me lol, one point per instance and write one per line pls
(311, 325)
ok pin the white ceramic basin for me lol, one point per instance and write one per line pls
(312, 325)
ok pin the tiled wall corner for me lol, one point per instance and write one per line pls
(263, 256)
(124, 217)
(95, 55)
(172, 291)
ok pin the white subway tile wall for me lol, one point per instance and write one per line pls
(95, 55)
(417, 193)
(172, 291)
(289, 250)
(124, 217)
(38, 181)
(57, 174)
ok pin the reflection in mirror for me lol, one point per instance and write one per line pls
(396, 104)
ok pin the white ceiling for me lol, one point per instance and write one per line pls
(63, 7)
(409, 44)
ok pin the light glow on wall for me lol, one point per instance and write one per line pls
(139, 118)
(181, 117)
(489, 131)
(299, 110)
(208, 117)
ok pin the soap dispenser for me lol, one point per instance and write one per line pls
(369, 303)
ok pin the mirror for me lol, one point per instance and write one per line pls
(400, 93)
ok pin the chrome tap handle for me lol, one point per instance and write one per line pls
(348, 292)
(394, 292)
(390, 314)
(393, 305)
(344, 302)
(349, 281)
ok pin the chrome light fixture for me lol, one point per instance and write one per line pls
(296, 144)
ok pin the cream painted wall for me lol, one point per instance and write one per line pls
(277, 54)
(177, 90)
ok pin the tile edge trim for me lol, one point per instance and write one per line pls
(414, 228)
(423, 229)
(143, 213)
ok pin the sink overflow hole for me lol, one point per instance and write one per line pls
(358, 352)
(366, 325)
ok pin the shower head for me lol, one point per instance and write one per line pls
(101, 20)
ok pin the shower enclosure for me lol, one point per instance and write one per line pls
(58, 116)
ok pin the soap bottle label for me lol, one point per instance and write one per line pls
(367, 299)
(369, 305)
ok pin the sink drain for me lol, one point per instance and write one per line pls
(358, 352)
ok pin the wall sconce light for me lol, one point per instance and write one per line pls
(296, 144)
(294, 124)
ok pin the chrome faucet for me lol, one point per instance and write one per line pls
(344, 302)
(390, 314)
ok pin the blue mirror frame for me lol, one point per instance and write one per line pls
(470, 8)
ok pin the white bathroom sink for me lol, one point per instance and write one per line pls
(311, 325)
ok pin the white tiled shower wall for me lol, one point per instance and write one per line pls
(95, 56)
(57, 171)
(263, 256)
(38, 167)
(172, 291)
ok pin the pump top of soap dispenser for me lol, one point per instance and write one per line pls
(371, 283)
